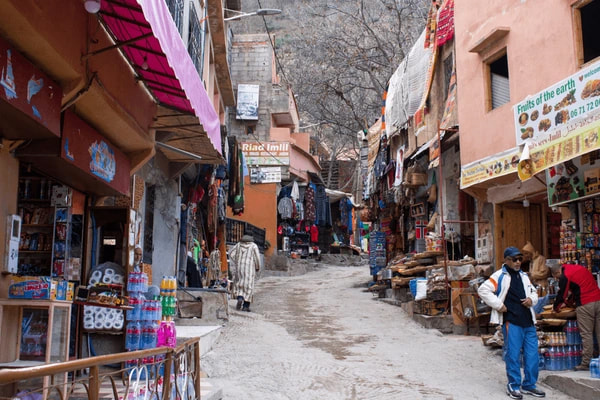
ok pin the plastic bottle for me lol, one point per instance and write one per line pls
(158, 314)
(149, 335)
(133, 336)
(541, 362)
(595, 368)
(547, 360)
(569, 360)
(161, 339)
(171, 333)
(163, 286)
(579, 354)
(560, 358)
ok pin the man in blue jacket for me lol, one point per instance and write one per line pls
(512, 297)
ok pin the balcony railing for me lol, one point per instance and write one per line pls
(141, 375)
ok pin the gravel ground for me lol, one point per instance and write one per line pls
(321, 336)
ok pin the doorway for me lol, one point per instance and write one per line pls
(515, 225)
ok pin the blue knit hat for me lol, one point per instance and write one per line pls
(512, 251)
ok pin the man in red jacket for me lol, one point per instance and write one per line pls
(577, 285)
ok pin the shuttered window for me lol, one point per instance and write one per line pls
(500, 90)
(499, 82)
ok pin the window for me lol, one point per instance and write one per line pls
(499, 91)
(448, 65)
(196, 40)
(589, 42)
(176, 9)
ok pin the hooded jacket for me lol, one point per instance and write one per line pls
(488, 292)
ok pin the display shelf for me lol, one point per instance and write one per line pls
(45, 323)
(42, 201)
(87, 303)
(37, 225)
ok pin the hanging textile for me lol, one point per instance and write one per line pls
(286, 207)
(295, 192)
(314, 234)
(399, 166)
(310, 213)
(445, 24)
(321, 204)
(212, 207)
(221, 206)
(431, 24)
(449, 119)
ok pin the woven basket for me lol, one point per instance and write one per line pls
(418, 178)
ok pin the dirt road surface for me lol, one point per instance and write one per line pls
(320, 336)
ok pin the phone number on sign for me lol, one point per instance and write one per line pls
(585, 108)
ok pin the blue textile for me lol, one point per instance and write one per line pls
(518, 339)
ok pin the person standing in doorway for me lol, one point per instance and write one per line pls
(577, 287)
(511, 296)
(246, 257)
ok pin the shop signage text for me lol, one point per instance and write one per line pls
(557, 111)
(267, 153)
(265, 175)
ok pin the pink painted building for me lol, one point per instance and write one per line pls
(517, 62)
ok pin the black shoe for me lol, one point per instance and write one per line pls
(247, 309)
(533, 392)
(513, 394)
(238, 306)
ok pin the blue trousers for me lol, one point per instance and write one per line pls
(516, 340)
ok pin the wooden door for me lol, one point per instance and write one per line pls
(515, 225)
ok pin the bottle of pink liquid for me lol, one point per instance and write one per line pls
(162, 334)
(171, 333)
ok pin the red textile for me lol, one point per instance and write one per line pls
(314, 234)
(445, 26)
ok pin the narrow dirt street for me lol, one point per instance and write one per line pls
(321, 336)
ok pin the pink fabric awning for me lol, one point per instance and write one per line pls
(149, 36)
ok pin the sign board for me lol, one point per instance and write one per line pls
(84, 147)
(491, 167)
(29, 90)
(267, 153)
(557, 110)
(574, 179)
(265, 175)
(247, 102)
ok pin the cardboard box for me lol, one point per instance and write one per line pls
(32, 287)
(61, 290)
(459, 284)
(70, 291)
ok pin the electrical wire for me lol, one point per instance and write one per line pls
(273, 46)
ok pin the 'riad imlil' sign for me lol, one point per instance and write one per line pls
(267, 153)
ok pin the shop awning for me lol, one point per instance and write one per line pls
(148, 37)
(336, 195)
(183, 132)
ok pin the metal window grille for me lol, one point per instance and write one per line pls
(196, 40)
(176, 8)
